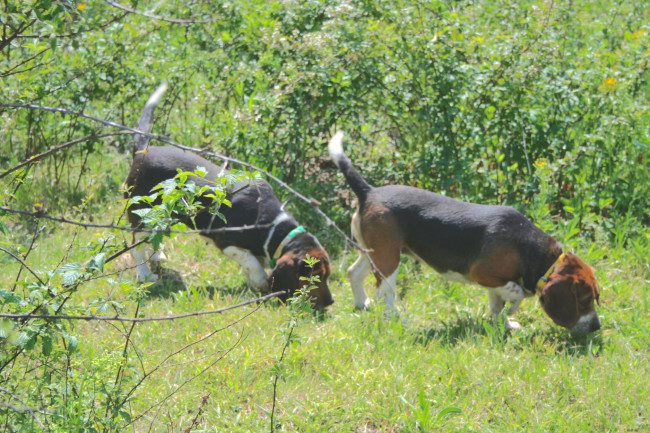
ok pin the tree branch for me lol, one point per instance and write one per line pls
(139, 319)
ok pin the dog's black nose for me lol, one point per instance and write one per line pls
(595, 325)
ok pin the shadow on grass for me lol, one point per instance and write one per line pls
(235, 290)
(169, 282)
(565, 343)
(466, 327)
(450, 332)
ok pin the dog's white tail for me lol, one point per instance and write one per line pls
(335, 148)
(358, 184)
(146, 118)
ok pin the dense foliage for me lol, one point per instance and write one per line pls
(542, 105)
(466, 98)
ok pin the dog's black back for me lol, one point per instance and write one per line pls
(253, 201)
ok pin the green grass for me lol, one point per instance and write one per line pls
(437, 368)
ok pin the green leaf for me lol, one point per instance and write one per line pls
(451, 410)
(142, 212)
(47, 344)
(97, 262)
(70, 273)
(71, 341)
(5, 328)
(8, 297)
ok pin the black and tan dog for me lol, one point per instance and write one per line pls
(494, 246)
(279, 242)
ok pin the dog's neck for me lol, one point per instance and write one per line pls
(539, 265)
(279, 232)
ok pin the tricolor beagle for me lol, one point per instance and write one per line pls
(494, 246)
(279, 242)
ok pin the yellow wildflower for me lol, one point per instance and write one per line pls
(541, 163)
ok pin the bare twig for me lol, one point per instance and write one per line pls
(199, 412)
(22, 262)
(168, 396)
(60, 147)
(65, 220)
(24, 408)
(125, 249)
(140, 319)
(312, 202)
(29, 250)
(277, 375)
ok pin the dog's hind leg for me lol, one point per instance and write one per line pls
(357, 273)
(383, 239)
(387, 290)
(498, 296)
(255, 275)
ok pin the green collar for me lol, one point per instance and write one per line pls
(278, 251)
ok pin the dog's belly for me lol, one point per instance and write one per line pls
(456, 277)
(447, 275)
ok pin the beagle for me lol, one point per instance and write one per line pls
(493, 246)
(277, 241)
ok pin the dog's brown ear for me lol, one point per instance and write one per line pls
(560, 302)
(285, 276)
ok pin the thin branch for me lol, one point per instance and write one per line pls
(25, 408)
(162, 363)
(125, 249)
(77, 33)
(60, 147)
(168, 396)
(312, 202)
(139, 319)
(37, 233)
(17, 65)
(155, 17)
(277, 375)
(199, 412)
(65, 220)
(22, 262)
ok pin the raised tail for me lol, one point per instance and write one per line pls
(144, 124)
(358, 184)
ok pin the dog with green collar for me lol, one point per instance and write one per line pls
(259, 235)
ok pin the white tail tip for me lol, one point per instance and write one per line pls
(155, 97)
(335, 146)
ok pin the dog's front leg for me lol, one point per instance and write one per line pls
(255, 275)
(498, 297)
(141, 258)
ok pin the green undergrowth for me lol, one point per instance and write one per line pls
(440, 366)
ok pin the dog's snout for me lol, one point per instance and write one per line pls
(587, 323)
(595, 325)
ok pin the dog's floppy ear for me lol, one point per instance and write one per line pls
(285, 275)
(558, 298)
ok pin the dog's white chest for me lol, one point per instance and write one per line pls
(511, 292)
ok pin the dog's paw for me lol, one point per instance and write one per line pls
(391, 314)
(148, 278)
(362, 305)
(158, 256)
(512, 325)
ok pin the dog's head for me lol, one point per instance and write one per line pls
(291, 273)
(569, 294)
